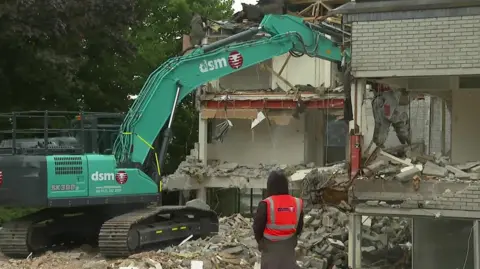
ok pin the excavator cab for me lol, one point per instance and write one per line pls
(54, 133)
(96, 132)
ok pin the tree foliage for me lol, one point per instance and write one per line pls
(55, 53)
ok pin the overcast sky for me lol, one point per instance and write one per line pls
(237, 4)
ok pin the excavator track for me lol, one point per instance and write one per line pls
(44, 229)
(19, 238)
(14, 239)
(114, 234)
(126, 234)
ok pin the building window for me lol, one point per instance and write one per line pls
(210, 130)
(335, 140)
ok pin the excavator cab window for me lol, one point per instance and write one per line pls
(97, 132)
(58, 132)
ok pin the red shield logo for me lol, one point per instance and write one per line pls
(235, 60)
(121, 177)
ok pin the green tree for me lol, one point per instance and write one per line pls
(55, 53)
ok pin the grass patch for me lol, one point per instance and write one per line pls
(8, 213)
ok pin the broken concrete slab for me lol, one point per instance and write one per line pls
(372, 203)
(368, 249)
(474, 176)
(193, 174)
(432, 169)
(408, 175)
(418, 166)
(458, 173)
(467, 166)
(440, 169)
(406, 162)
(227, 167)
(198, 203)
(475, 169)
(374, 167)
(300, 174)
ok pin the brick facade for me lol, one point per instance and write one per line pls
(432, 194)
(467, 199)
(415, 46)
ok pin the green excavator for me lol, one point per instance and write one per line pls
(106, 194)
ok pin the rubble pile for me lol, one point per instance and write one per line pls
(233, 247)
(324, 185)
(419, 166)
(194, 168)
(323, 243)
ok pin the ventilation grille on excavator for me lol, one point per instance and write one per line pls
(68, 165)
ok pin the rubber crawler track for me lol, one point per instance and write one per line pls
(113, 236)
(14, 239)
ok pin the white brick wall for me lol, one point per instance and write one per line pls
(416, 45)
(420, 120)
(436, 127)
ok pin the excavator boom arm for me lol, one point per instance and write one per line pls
(179, 76)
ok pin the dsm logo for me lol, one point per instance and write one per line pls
(97, 176)
(121, 177)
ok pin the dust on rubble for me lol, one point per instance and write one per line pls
(323, 244)
(192, 167)
(233, 247)
(409, 164)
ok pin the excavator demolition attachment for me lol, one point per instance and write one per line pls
(92, 192)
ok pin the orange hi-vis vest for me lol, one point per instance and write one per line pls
(283, 214)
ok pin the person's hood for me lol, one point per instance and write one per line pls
(277, 183)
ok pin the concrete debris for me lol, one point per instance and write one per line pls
(407, 175)
(374, 166)
(323, 244)
(431, 169)
(198, 203)
(419, 167)
(457, 172)
(315, 172)
(467, 166)
(326, 236)
(194, 168)
(326, 185)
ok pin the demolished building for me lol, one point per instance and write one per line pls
(429, 48)
(250, 124)
(428, 181)
(282, 113)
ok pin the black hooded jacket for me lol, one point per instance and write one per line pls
(277, 184)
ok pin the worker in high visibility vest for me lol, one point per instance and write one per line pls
(277, 224)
